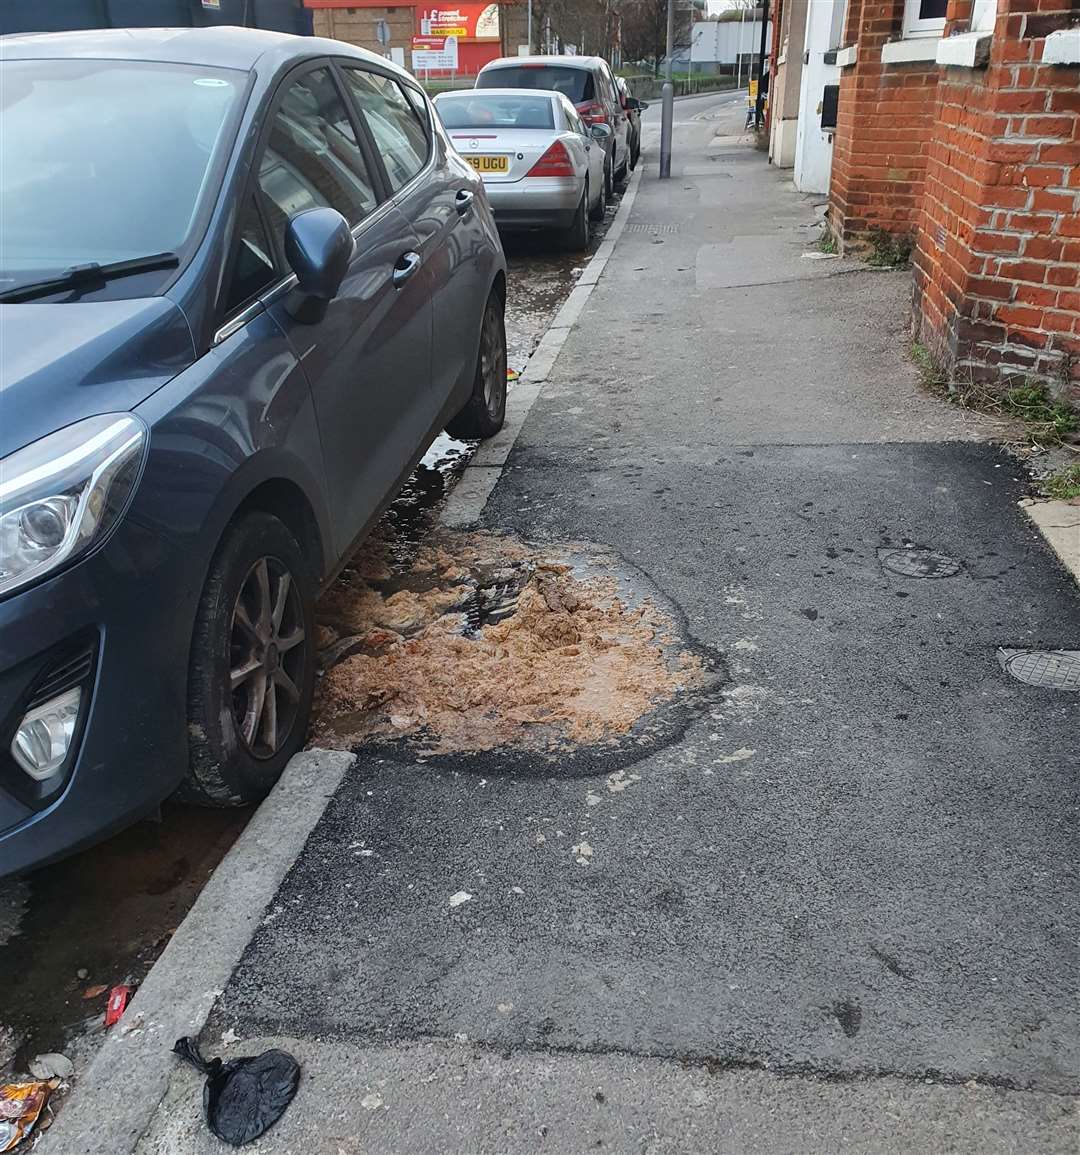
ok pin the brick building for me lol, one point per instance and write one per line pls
(958, 135)
(885, 117)
(997, 264)
(489, 28)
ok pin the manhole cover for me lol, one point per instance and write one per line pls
(919, 563)
(1052, 669)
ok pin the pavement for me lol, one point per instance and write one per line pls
(838, 909)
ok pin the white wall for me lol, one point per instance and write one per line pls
(813, 147)
(718, 41)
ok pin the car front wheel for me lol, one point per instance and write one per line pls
(485, 411)
(252, 669)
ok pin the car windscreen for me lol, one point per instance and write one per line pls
(477, 111)
(576, 83)
(106, 160)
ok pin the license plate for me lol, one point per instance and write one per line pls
(489, 163)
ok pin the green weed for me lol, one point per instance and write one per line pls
(1047, 418)
(1063, 485)
(890, 250)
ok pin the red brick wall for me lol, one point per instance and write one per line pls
(997, 264)
(884, 122)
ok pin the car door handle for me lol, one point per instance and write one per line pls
(463, 201)
(407, 264)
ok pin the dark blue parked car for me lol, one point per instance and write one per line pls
(244, 281)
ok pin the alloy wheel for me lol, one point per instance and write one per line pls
(266, 657)
(493, 360)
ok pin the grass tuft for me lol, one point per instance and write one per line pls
(1063, 485)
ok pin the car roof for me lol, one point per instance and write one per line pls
(582, 62)
(221, 46)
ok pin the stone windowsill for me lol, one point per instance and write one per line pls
(909, 51)
(1062, 47)
(968, 50)
(847, 56)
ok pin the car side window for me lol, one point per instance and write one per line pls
(253, 263)
(312, 157)
(573, 120)
(400, 136)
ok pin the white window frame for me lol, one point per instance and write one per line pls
(914, 26)
(983, 15)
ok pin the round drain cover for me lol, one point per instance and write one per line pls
(1053, 669)
(919, 563)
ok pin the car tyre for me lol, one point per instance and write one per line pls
(252, 669)
(576, 237)
(635, 154)
(609, 188)
(485, 411)
(596, 211)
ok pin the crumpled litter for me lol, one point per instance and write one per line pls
(21, 1105)
(245, 1097)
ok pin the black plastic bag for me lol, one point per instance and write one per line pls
(243, 1098)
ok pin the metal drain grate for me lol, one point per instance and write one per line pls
(919, 563)
(1051, 669)
(645, 227)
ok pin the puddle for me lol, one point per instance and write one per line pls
(487, 644)
(540, 280)
(96, 919)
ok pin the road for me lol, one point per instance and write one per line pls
(836, 905)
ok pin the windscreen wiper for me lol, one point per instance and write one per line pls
(90, 276)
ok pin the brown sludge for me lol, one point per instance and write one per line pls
(572, 664)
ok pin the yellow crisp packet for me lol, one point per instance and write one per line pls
(20, 1106)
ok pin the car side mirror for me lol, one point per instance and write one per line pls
(600, 132)
(318, 246)
(640, 105)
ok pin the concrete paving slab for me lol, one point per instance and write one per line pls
(454, 1099)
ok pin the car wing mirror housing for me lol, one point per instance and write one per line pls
(600, 131)
(318, 246)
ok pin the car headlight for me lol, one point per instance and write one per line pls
(62, 494)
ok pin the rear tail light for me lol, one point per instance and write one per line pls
(592, 113)
(555, 162)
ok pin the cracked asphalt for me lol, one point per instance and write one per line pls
(839, 908)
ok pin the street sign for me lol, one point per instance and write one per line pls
(466, 21)
(382, 32)
(431, 55)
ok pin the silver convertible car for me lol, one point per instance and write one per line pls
(542, 166)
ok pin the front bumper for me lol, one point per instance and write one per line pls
(536, 202)
(119, 621)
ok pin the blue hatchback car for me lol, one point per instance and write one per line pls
(244, 282)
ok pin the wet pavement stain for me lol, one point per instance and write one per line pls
(849, 1015)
